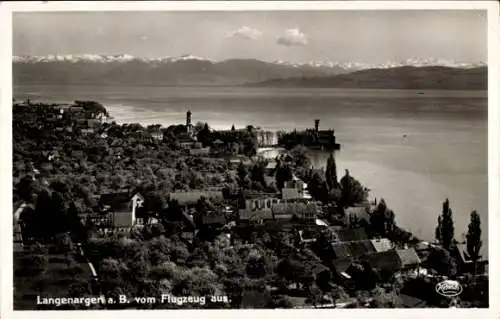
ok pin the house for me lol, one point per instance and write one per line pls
(68, 109)
(87, 131)
(218, 143)
(356, 216)
(213, 220)
(381, 244)
(296, 184)
(387, 262)
(93, 123)
(143, 221)
(465, 264)
(307, 235)
(350, 234)
(186, 141)
(157, 135)
(423, 247)
(305, 212)
(409, 258)
(270, 168)
(290, 194)
(256, 195)
(257, 209)
(252, 217)
(351, 250)
(340, 267)
(80, 123)
(121, 209)
(205, 151)
(260, 203)
(320, 272)
(188, 200)
(247, 162)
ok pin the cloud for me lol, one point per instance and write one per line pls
(292, 37)
(245, 33)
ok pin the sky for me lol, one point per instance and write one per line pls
(295, 36)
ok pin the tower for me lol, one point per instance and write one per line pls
(316, 125)
(189, 126)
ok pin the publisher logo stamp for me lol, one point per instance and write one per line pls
(449, 288)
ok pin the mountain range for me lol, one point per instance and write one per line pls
(405, 77)
(191, 70)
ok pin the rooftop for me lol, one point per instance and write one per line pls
(359, 211)
(271, 165)
(341, 265)
(191, 197)
(462, 251)
(212, 219)
(118, 200)
(247, 214)
(387, 260)
(290, 193)
(408, 257)
(353, 249)
(300, 210)
(381, 244)
(351, 234)
(120, 219)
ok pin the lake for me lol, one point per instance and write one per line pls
(414, 149)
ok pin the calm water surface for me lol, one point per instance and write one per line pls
(414, 149)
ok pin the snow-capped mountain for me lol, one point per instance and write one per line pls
(354, 66)
(349, 66)
(97, 58)
(93, 69)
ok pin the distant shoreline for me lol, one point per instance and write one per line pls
(244, 86)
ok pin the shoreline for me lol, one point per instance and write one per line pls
(315, 151)
(175, 159)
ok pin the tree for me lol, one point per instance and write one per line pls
(331, 172)
(250, 141)
(299, 157)
(204, 135)
(196, 282)
(198, 127)
(445, 229)
(283, 174)
(242, 173)
(258, 172)
(292, 270)
(440, 260)
(473, 236)
(92, 106)
(352, 190)
(25, 188)
(318, 187)
(383, 219)
(202, 208)
(64, 244)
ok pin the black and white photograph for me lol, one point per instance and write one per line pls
(265, 158)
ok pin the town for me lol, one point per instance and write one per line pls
(103, 209)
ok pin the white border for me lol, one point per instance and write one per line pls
(6, 279)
